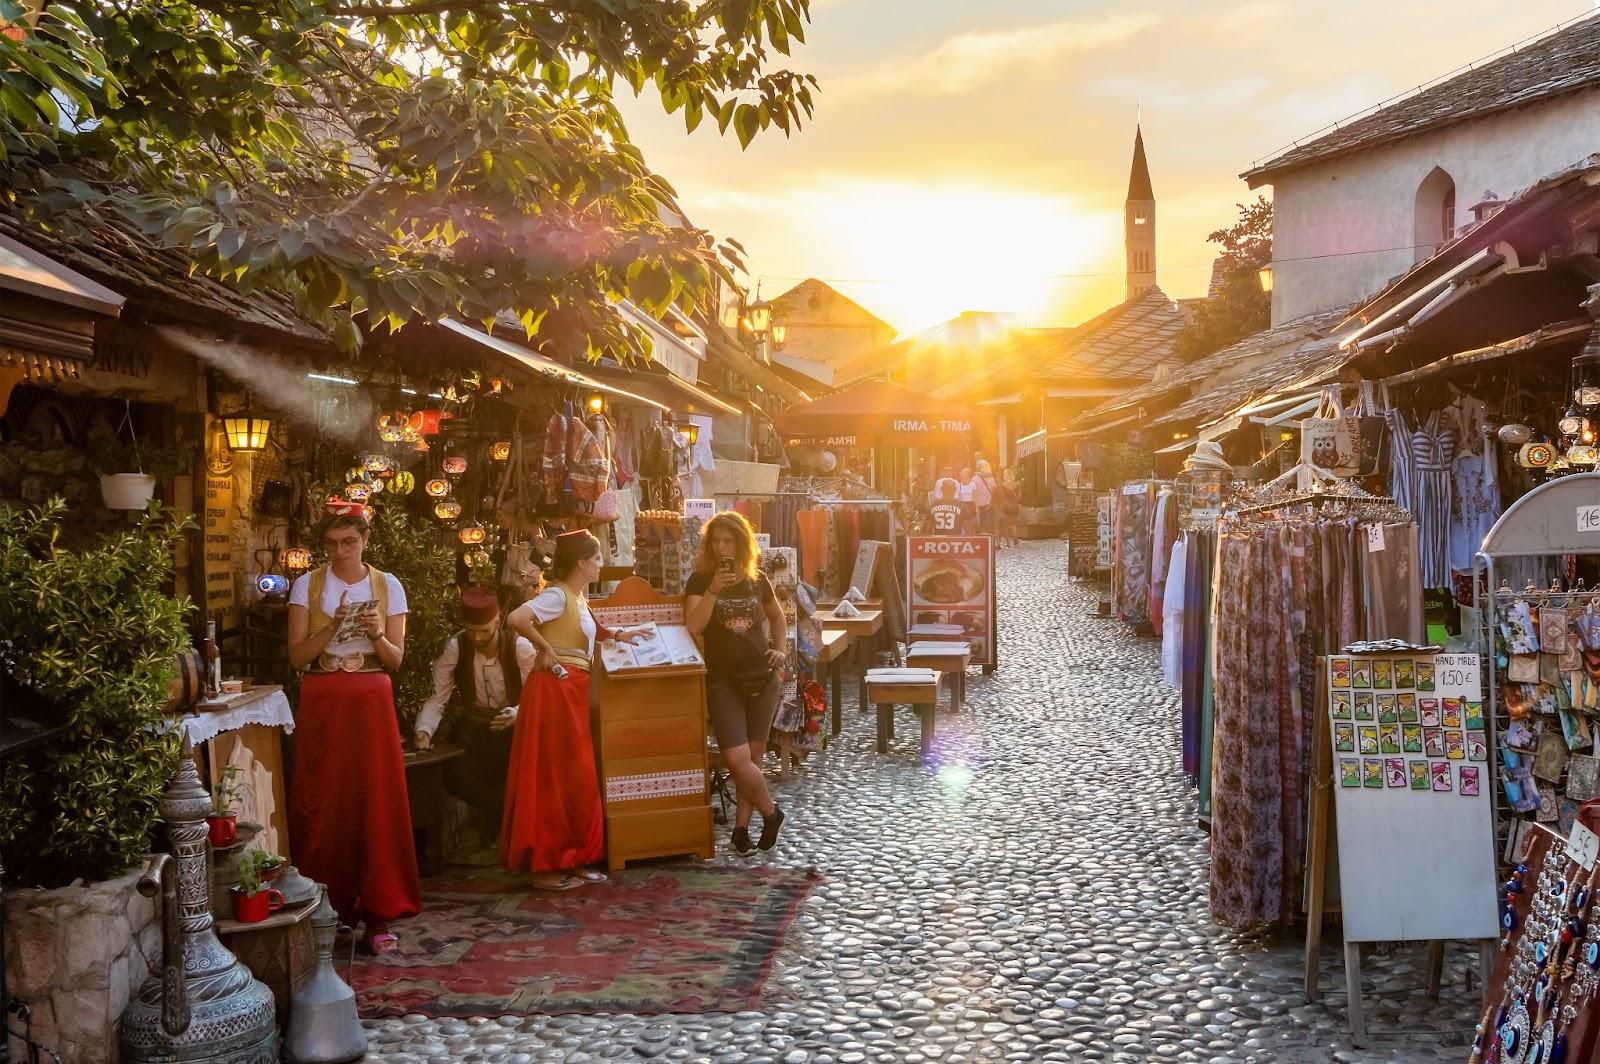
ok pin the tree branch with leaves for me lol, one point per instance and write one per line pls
(1237, 307)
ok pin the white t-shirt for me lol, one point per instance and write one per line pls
(551, 603)
(964, 492)
(360, 591)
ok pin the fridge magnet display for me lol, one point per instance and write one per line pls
(1404, 673)
(1411, 738)
(1469, 781)
(1372, 772)
(1367, 739)
(1383, 674)
(1341, 673)
(1433, 742)
(1349, 772)
(1408, 707)
(1455, 747)
(1389, 738)
(1440, 772)
(1474, 716)
(1361, 674)
(1419, 775)
(1429, 712)
(1344, 738)
(1424, 673)
(1364, 705)
(1452, 713)
(1341, 706)
(1394, 772)
(1477, 746)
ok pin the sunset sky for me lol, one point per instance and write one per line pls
(966, 156)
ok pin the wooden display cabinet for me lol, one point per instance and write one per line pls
(651, 742)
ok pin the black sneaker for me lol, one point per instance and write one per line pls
(741, 839)
(769, 828)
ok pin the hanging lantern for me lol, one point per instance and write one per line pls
(596, 403)
(428, 422)
(404, 483)
(471, 383)
(369, 514)
(420, 445)
(358, 492)
(476, 559)
(1583, 456)
(354, 473)
(247, 430)
(1586, 374)
(497, 385)
(438, 487)
(500, 450)
(447, 509)
(1536, 455)
(375, 485)
(1515, 435)
(472, 534)
(454, 465)
(392, 434)
(377, 463)
(272, 584)
(1572, 424)
(297, 559)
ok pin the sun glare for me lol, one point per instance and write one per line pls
(930, 253)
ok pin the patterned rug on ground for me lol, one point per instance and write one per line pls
(669, 938)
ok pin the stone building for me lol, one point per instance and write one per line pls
(827, 327)
(1360, 204)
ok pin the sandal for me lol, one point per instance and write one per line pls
(566, 882)
(591, 875)
(381, 943)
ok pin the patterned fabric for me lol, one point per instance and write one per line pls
(664, 939)
(1132, 593)
(1433, 445)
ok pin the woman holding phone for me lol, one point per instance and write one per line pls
(731, 605)
(348, 811)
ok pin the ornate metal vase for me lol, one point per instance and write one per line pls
(204, 1005)
(323, 1025)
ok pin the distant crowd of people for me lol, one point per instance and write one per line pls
(973, 502)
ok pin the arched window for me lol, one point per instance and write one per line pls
(1435, 217)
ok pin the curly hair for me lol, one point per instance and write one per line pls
(746, 555)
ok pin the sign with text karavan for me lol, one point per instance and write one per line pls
(950, 580)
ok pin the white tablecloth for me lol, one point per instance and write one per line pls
(250, 707)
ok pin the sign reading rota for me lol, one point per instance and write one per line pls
(950, 580)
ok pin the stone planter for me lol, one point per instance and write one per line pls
(74, 955)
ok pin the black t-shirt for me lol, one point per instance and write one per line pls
(736, 636)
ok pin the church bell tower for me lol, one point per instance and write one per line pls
(1139, 222)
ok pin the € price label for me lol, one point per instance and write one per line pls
(1589, 519)
(1583, 846)
(1375, 541)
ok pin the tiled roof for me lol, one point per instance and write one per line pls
(130, 264)
(1179, 379)
(1562, 62)
(1130, 340)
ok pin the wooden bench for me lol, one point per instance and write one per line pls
(835, 644)
(888, 688)
(948, 659)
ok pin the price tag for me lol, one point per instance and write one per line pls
(1374, 538)
(1589, 519)
(764, 540)
(700, 509)
(1583, 846)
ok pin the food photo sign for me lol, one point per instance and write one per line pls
(950, 580)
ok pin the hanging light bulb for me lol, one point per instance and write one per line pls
(438, 487)
(404, 483)
(476, 559)
(500, 450)
(472, 533)
(454, 465)
(360, 491)
(447, 509)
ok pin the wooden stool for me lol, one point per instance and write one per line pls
(921, 633)
(888, 688)
(947, 659)
(835, 645)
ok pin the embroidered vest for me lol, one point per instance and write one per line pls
(467, 675)
(319, 580)
(565, 634)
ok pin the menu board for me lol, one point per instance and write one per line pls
(1411, 779)
(216, 530)
(950, 580)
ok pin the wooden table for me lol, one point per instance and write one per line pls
(948, 659)
(278, 950)
(863, 632)
(426, 793)
(921, 692)
(920, 633)
(835, 644)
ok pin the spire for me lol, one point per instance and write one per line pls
(1139, 177)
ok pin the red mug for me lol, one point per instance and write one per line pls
(254, 908)
(222, 830)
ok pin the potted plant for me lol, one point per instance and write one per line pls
(222, 825)
(128, 471)
(269, 865)
(252, 902)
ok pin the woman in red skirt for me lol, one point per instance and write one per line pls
(553, 823)
(349, 818)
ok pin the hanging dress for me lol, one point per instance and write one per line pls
(1433, 446)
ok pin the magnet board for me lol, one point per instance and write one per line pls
(1411, 783)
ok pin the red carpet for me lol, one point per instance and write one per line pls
(674, 938)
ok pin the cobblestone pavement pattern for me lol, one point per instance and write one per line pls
(1037, 894)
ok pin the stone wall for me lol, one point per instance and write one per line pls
(74, 955)
(34, 472)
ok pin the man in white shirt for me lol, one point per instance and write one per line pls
(479, 674)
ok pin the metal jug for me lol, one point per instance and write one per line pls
(323, 1025)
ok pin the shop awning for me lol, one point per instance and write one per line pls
(1031, 444)
(48, 310)
(878, 412)
(669, 390)
(546, 367)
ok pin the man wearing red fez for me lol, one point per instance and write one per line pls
(477, 680)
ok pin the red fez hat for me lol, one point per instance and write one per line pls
(478, 605)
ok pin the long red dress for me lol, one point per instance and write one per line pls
(553, 819)
(349, 815)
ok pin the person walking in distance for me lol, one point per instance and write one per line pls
(731, 604)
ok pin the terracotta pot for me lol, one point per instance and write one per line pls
(270, 875)
(223, 830)
(254, 908)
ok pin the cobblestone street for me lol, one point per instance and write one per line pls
(1037, 894)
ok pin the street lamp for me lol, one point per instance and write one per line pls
(780, 333)
(1265, 275)
(247, 430)
(760, 316)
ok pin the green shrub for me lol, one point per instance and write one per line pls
(95, 631)
(424, 562)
